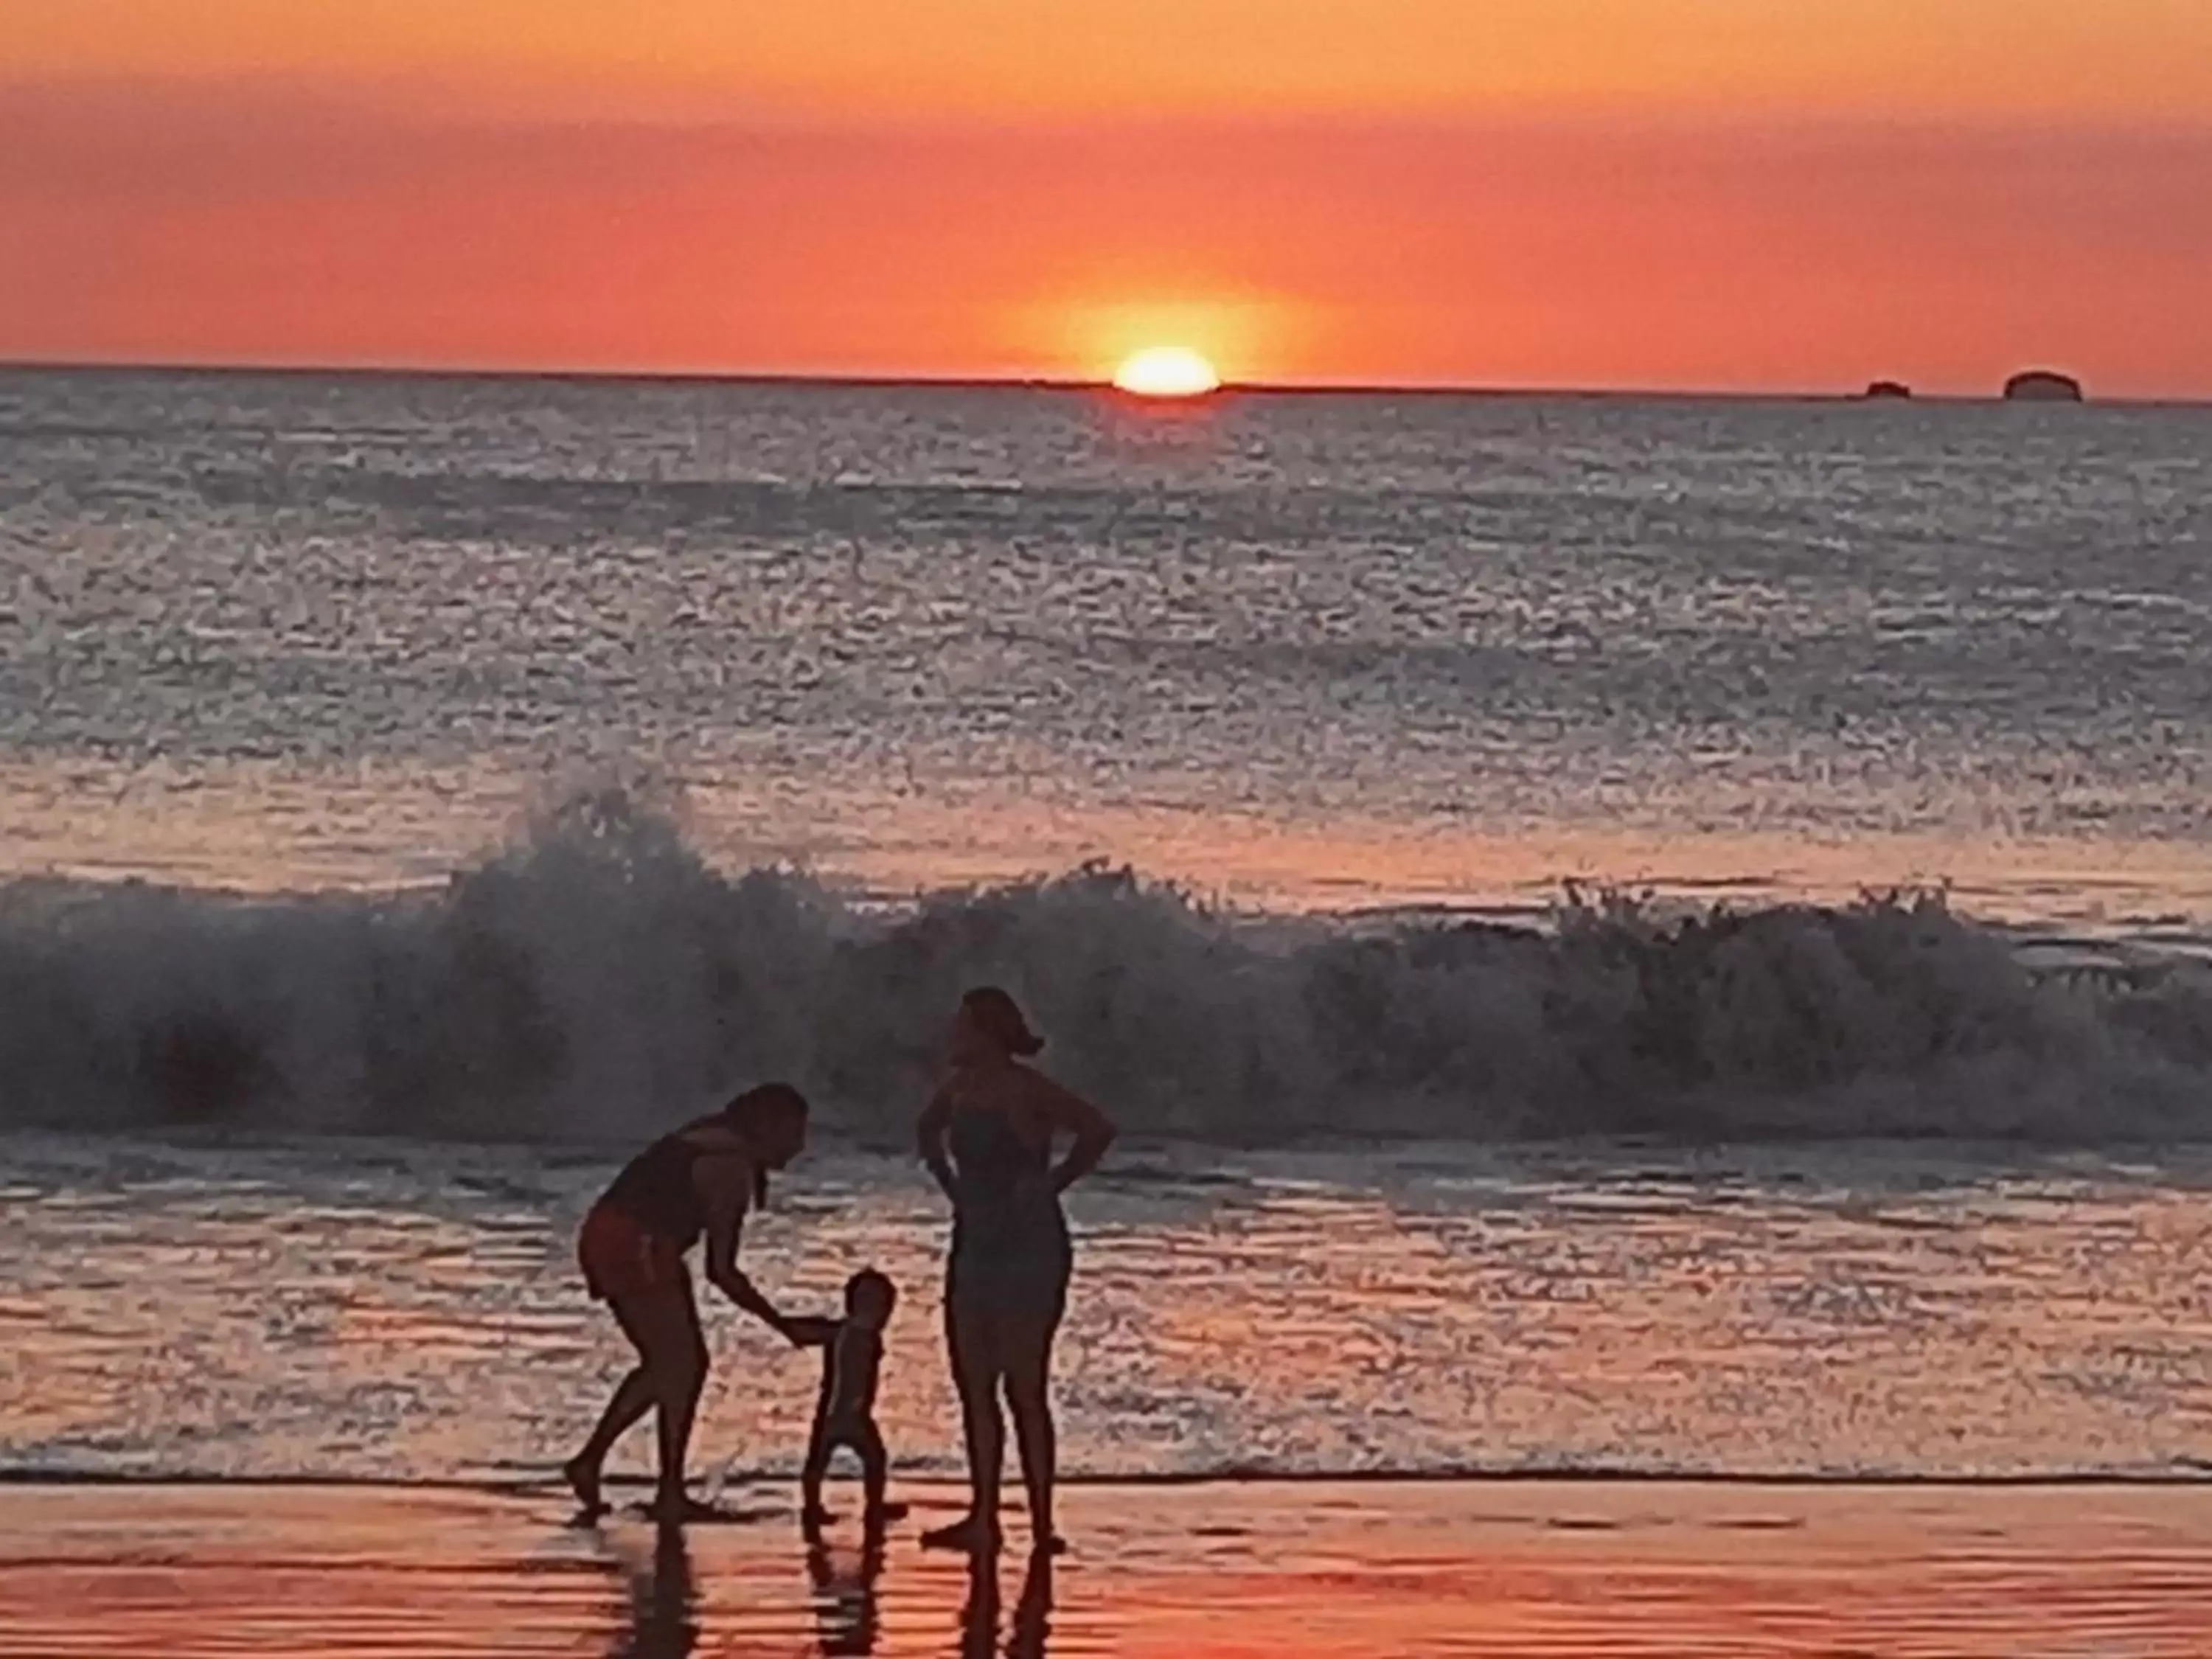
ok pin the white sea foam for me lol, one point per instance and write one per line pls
(598, 975)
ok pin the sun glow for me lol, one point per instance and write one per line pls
(1167, 372)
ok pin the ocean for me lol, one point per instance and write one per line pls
(1659, 935)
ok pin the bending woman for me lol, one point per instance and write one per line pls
(987, 1136)
(701, 1179)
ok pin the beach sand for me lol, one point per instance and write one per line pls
(1534, 1569)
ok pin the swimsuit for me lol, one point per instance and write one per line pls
(1011, 1254)
(635, 1237)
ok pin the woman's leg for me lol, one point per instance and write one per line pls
(676, 1352)
(662, 1324)
(875, 1475)
(972, 1341)
(633, 1398)
(1027, 1355)
(643, 1323)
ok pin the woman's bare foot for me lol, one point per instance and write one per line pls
(582, 1476)
(1052, 1544)
(972, 1534)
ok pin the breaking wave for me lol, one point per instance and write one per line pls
(599, 976)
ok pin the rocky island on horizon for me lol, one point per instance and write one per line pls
(2043, 386)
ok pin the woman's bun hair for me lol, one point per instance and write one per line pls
(1000, 1018)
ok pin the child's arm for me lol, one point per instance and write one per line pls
(813, 1333)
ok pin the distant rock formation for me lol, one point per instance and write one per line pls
(1888, 389)
(2042, 386)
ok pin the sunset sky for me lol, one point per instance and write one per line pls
(1733, 194)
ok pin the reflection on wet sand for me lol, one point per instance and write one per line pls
(979, 1614)
(844, 1581)
(664, 1600)
(1032, 1613)
(1472, 1569)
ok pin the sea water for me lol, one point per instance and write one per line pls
(393, 1310)
(413, 791)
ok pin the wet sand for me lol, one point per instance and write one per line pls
(1537, 1570)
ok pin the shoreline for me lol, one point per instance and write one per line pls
(1573, 1569)
(2184, 1476)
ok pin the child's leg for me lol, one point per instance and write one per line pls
(875, 1472)
(818, 1448)
(875, 1466)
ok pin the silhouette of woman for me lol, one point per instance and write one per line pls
(701, 1179)
(987, 1136)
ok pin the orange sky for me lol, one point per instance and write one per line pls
(1724, 193)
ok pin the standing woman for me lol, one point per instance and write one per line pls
(987, 1136)
(700, 1180)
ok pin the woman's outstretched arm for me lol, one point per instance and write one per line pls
(726, 1185)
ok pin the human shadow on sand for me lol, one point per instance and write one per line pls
(661, 1613)
(663, 1620)
(845, 1614)
(979, 1617)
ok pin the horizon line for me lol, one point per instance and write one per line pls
(1011, 382)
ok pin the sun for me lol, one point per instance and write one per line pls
(1167, 372)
